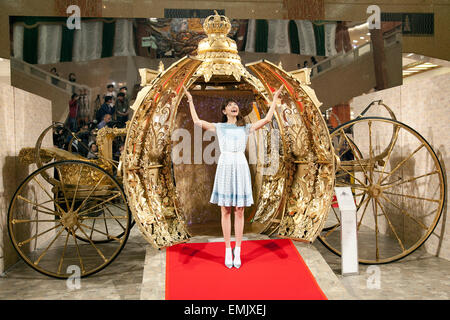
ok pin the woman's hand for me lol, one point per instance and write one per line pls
(277, 93)
(260, 123)
(188, 95)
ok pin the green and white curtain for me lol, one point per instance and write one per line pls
(46, 42)
(311, 38)
(306, 37)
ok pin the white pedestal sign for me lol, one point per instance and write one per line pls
(349, 241)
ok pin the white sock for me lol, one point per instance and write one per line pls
(237, 257)
(228, 257)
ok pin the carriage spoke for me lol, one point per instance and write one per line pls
(118, 207)
(97, 218)
(63, 253)
(90, 241)
(375, 211)
(115, 217)
(359, 194)
(412, 197)
(38, 235)
(364, 211)
(400, 164)
(343, 152)
(78, 251)
(50, 211)
(356, 179)
(354, 186)
(63, 188)
(48, 247)
(48, 194)
(370, 140)
(93, 229)
(99, 204)
(106, 225)
(357, 156)
(93, 189)
(15, 221)
(334, 211)
(390, 224)
(403, 211)
(388, 157)
(397, 183)
(76, 189)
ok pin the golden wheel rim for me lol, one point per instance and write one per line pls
(46, 221)
(398, 184)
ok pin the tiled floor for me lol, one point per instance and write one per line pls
(122, 279)
(417, 276)
(139, 273)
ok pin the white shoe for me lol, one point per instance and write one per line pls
(228, 258)
(237, 257)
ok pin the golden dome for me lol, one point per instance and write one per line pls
(218, 52)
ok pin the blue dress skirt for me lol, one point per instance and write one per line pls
(232, 182)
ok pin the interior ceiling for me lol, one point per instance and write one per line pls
(359, 34)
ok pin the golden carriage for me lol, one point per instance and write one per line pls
(78, 212)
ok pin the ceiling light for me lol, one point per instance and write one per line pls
(418, 67)
(361, 37)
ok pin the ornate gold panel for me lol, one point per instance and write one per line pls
(308, 158)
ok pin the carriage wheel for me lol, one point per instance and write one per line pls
(399, 189)
(47, 218)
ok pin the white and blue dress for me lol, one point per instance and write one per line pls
(232, 182)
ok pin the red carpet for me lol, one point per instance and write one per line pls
(271, 270)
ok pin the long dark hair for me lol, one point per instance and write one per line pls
(239, 119)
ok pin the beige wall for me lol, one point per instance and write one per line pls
(422, 105)
(349, 10)
(59, 98)
(23, 117)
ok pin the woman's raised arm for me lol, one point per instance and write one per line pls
(260, 123)
(202, 123)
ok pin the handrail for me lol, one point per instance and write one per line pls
(55, 81)
(343, 58)
(44, 75)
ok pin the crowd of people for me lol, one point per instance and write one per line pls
(80, 132)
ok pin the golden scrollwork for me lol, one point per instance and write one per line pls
(308, 158)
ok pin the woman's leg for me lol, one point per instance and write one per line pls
(226, 225)
(238, 231)
(238, 224)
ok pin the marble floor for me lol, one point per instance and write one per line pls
(419, 276)
(139, 273)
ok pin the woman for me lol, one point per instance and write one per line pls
(232, 182)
